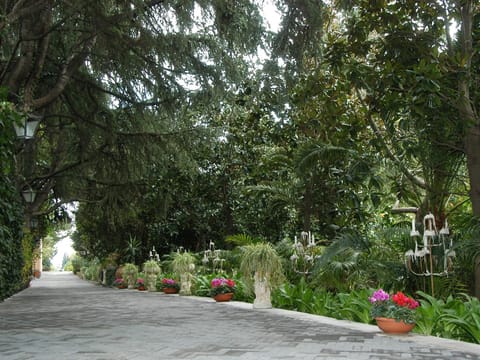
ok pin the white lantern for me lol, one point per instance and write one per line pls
(27, 129)
(29, 195)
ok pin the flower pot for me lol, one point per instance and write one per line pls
(141, 288)
(170, 290)
(391, 326)
(223, 297)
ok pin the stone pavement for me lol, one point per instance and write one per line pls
(63, 317)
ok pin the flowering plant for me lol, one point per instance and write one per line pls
(170, 283)
(119, 282)
(398, 306)
(222, 286)
(140, 283)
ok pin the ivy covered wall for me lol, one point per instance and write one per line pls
(12, 276)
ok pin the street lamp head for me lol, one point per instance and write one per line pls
(27, 130)
(29, 195)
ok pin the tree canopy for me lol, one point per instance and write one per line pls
(164, 123)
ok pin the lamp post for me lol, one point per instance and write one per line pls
(26, 131)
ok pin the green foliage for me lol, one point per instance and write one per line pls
(454, 318)
(242, 239)
(110, 275)
(262, 259)
(183, 263)
(133, 249)
(354, 306)
(299, 297)
(77, 263)
(130, 269)
(202, 286)
(151, 267)
(130, 273)
(27, 251)
(12, 247)
(92, 270)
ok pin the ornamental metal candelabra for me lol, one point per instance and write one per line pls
(304, 253)
(212, 258)
(433, 256)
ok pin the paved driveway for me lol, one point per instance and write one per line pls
(63, 317)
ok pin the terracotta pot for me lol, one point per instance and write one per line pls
(391, 326)
(170, 290)
(223, 297)
(141, 288)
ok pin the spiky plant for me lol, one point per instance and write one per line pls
(261, 262)
(183, 264)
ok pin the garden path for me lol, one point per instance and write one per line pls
(63, 317)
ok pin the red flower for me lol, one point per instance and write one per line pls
(402, 300)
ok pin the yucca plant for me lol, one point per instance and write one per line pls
(261, 267)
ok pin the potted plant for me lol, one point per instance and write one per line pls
(183, 264)
(130, 272)
(140, 284)
(222, 289)
(393, 313)
(152, 269)
(169, 286)
(119, 283)
(261, 262)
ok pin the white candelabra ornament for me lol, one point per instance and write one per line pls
(304, 253)
(212, 256)
(154, 255)
(433, 256)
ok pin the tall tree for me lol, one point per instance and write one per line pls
(112, 82)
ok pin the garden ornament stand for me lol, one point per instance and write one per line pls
(304, 253)
(212, 256)
(433, 256)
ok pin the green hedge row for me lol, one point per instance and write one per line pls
(11, 211)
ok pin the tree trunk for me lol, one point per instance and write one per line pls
(472, 151)
(468, 115)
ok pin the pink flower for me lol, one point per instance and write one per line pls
(379, 295)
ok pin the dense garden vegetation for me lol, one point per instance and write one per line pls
(168, 130)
